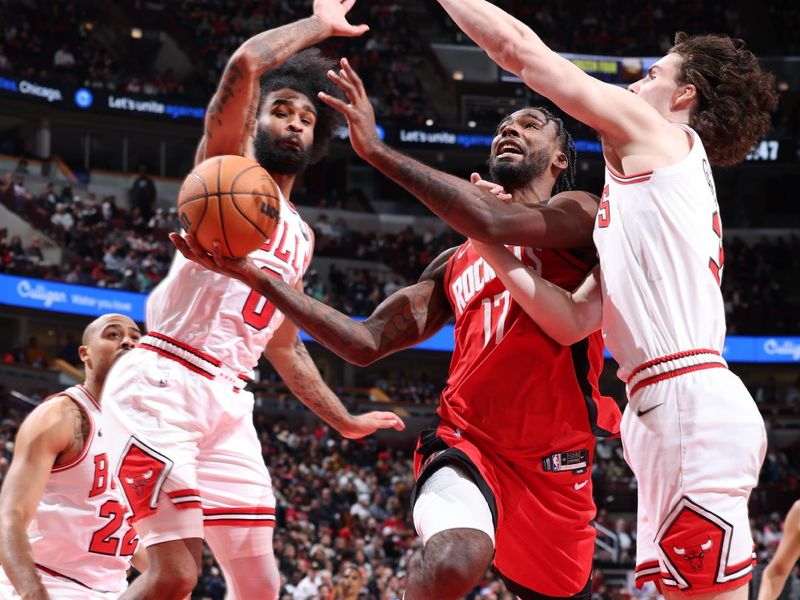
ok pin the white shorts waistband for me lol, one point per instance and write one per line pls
(193, 359)
(673, 365)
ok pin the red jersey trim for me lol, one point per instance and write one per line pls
(185, 363)
(191, 349)
(668, 357)
(89, 395)
(237, 523)
(630, 181)
(621, 176)
(732, 569)
(676, 373)
(185, 499)
(251, 510)
(671, 584)
(256, 516)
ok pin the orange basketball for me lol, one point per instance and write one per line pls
(231, 199)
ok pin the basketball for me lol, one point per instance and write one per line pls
(231, 199)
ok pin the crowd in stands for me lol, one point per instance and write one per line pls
(761, 294)
(382, 56)
(618, 28)
(60, 43)
(112, 247)
(344, 514)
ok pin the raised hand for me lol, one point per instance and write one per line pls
(366, 424)
(491, 187)
(242, 269)
(358, 110)
(333, 14)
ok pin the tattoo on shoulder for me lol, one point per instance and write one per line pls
(80, 433)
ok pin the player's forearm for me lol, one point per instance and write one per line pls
(464, 206)
(16, 556)
(351, 340)
(503, 37)
(269, 49)
(231, 115)
(772, 582)
(550, 306)
(301, 375)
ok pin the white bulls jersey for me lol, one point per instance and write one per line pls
(80, 530)
(222, 316)
(659, 238)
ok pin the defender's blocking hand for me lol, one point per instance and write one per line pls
(333, 14)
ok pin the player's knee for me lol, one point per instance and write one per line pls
(176, 580)
(456, 559)
(257, 585)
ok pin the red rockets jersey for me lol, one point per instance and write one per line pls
(511, 385)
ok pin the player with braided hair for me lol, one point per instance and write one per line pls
(504, 471)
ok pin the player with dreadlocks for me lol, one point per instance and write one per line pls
(504, 470)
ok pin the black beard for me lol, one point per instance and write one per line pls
(276, 159)
(516, 175)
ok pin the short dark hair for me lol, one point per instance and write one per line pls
(735, 96)
(566, 179)
(306, 72)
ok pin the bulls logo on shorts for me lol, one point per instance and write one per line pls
(695, 545)
(141, 474)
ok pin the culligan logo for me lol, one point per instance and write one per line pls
(41, 293)
(782, 348)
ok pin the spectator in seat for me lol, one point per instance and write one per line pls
(34, 252)
(63, 58)
(143, 194)
(349, 585)
(35, 355)
(69, 351)
(62, 218)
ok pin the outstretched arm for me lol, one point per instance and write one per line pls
(404, 319)
(567, 317)
(231, 115)
(566, 222)
(289, 356)
(786, 556)
(619, 116)
(49, 430)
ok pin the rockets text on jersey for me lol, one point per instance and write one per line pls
(508, 380)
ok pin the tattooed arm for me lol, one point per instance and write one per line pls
(231, 114)
(289, 356)
(567, 221)
(54, 433)
(405, 318)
